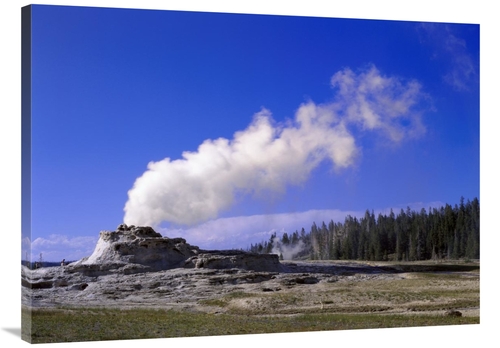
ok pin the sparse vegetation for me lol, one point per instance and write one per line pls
(354, 302)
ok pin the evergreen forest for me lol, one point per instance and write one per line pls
(447, 232)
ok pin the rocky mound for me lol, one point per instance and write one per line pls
(132, 249)
(227, 259)
(138, 248)
(129, 253)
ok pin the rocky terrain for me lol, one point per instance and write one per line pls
(137, 267)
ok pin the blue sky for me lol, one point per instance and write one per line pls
(301, 120)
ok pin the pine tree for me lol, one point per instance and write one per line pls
(451, 232)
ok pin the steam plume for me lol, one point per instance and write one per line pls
(267, 156)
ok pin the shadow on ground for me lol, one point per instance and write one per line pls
(16, 331)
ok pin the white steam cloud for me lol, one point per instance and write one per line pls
(267, 156)
(287, 252)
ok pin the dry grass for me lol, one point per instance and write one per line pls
(417, 292)
(413, 299)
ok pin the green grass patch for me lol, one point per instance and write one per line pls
(73, 325)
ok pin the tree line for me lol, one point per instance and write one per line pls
(447, 232)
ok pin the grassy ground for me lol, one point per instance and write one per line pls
(70, 325)
(420, 298)
(418, 292)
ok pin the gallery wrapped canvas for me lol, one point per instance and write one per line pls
(198, 174)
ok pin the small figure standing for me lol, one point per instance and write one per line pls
(63, 262)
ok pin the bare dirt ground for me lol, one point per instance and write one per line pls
(301, 287)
